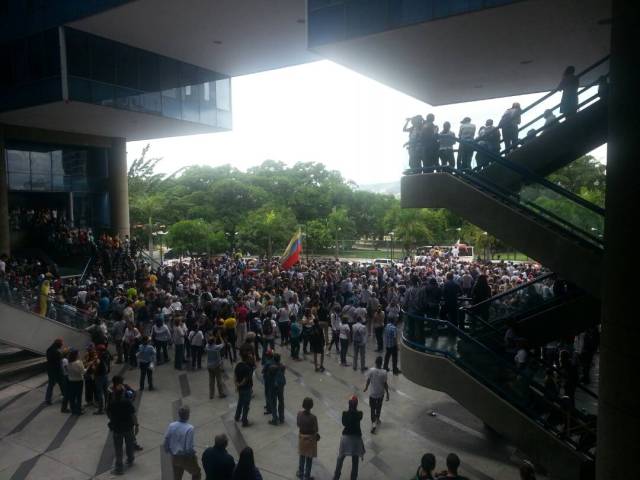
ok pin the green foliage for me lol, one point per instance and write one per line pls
(196, 237)
(265, 227)
(215, 208)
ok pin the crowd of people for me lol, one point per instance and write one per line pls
(430, 147)
(251, 315)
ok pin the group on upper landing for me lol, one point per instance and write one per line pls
(429, 147)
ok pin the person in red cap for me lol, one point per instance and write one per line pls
(351, 444)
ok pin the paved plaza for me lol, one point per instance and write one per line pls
(39, 442)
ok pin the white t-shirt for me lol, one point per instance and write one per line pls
(344, 331)
(378, 379)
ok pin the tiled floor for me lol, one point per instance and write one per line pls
(42, 443)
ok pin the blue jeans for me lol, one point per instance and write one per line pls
(244, 399)
(75, 396)
(277, 403)
(102, 383)
(305, 467)
(146, 373)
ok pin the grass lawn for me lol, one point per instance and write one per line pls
(359, 253)
(511, 256)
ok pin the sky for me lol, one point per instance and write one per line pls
(318, 112)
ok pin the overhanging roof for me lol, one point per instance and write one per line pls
(514, 49)
(233, 37)
(86, 118)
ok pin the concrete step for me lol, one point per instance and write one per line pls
(22, 367)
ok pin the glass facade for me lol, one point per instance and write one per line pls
(35, 168)
(113, 74)
(337, 20)
(19, 18)
(30, 71)
(70, 180)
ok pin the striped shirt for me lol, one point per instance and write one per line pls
(390, 336)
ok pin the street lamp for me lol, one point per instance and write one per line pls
(160, 234)
(392, 235)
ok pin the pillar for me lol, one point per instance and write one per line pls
(5, 239)
(618, 414)
(118, 188)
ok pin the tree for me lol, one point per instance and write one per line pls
(341, 225)
(267, 228)
(196, 237)
(318, 235)
(141, 176)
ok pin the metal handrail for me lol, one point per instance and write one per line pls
(532, 208)
(564, 115)
(555, 90)
(423, 348)
(512, 290)
(533, 177)
(86, 269)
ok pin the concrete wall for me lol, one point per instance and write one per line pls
(36, 333)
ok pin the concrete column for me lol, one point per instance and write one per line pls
(118, 188)
(618, 415)
(5, 239)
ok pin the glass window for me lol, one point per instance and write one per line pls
(56, 162)
(126, 66)
(74, 162)
(171, 104)
(149, 71)
(19, 181)
(169, 73)
(17, 161)
(35, 55)
(41, 182)
(223, 94)
(103, 59)
(41, 162)
(78, 54)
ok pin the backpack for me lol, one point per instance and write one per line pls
(358, 335)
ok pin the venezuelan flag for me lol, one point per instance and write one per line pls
(292, 253)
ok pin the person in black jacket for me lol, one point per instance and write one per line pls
(216, 462)
(351, 444)
(450, 294)
(123, 423)
(54, 369)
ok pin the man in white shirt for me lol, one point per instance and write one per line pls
(377, 380)
(179, 443)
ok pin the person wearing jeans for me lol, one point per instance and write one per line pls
(76, 373)
(359, 344)
(307, 439)
(391, 345)
(124, 426)
(345, 331)
(214, 365)
(146, 359)
(244, 383)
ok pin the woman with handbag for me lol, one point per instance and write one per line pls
(307, 439)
